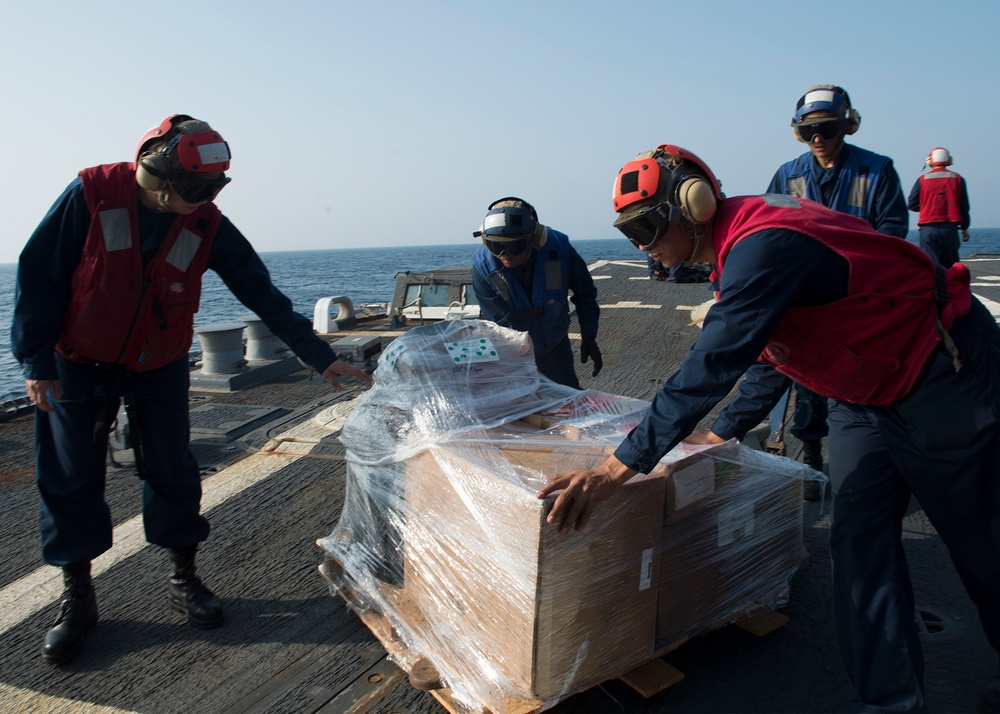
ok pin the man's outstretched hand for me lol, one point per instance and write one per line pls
(582, 490)
(347, 369)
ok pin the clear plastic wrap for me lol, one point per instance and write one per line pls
(443, 550)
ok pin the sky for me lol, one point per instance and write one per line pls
(396, 122)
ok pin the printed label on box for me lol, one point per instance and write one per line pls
(736, 523)
(694, 482)
(646, 573)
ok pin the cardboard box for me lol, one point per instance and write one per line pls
(496, 595)
(732, 548)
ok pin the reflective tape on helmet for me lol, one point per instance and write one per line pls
(213, 153)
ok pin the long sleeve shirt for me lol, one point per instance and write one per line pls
(51, 256)
(886, 208)
(765, 274)
(580, 283)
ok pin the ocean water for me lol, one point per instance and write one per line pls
(362, 274)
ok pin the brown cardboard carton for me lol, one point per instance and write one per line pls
(729, 550)
(498, 596)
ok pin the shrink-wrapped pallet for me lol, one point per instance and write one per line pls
(443, 549)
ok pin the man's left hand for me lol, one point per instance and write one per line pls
(589, 350)
(339, 366)
(965, 235)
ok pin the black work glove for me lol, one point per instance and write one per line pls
(589, 350)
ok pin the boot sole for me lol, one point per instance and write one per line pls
(200, 624)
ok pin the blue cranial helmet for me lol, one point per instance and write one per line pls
(828, 98)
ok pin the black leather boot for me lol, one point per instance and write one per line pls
(77, 615)
(187, 594)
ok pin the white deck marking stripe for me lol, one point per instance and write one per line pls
(40, 588)
(621, 304)
(26, 700)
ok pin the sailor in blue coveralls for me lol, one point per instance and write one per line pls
(918, 418)
(523, 274)
(845, 178)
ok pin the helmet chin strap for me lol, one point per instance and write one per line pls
(695, 233)
(162, 199)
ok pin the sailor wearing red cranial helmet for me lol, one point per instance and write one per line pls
(906, 356)
(107, 289)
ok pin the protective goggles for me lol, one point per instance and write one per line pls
(196, 190)
(645, 226)
(826, 129)
(513, 247)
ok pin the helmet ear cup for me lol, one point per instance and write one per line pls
(151, 172)
(540, 235)
(696, 199)
(852, 120)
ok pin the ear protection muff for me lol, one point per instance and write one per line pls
(152, 171)
(696, 199)
(693, 194)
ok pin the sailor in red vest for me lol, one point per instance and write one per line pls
(941, 198)
(908, 357)
(107, 288)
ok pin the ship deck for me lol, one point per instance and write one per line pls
(273, 478)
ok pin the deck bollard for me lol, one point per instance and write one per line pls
(262, 344)
(221, 347)
(325, 323)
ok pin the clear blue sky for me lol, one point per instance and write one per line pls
(395, 122)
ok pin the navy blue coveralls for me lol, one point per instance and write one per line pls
(839, 187)
(71, 442)
(941, 239)
(941, 444)
(555, 363)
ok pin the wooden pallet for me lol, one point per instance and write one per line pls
(648, 679)
(656, 675)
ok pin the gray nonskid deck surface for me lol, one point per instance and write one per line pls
(289, 646)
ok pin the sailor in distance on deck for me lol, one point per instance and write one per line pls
(942, 200)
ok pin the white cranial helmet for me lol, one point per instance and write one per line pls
(939, 157)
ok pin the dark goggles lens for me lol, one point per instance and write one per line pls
(827, 130)
(194, 190)
(644, 228)
(510, 247)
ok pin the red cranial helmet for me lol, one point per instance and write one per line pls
(665, 185)
(185, 155)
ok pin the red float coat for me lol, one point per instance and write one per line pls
(121, 312)
(940, 196)
(870, 346)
